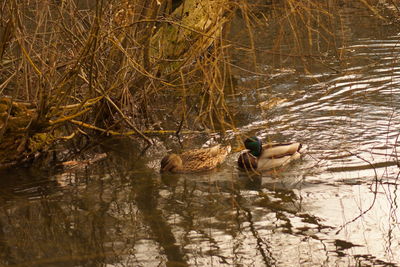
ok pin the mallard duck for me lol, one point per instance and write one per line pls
(269, 156)
(195, 160)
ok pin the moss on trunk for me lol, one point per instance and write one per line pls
(20, 138)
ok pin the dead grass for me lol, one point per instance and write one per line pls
(131, 66)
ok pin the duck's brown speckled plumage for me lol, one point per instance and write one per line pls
(195, 160)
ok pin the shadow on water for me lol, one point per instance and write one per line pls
(336, 207)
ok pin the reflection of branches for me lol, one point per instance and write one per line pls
(190, 207)
(262, 246)
(147, 204)
(268, 259)
(395, 150)
(375, 190)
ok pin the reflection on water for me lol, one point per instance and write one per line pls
(336, 207)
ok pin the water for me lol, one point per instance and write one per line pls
(336, 207)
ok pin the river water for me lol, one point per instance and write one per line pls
(338, 206)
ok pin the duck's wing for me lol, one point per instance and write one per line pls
(272, 163)
(272, 151)
(205, 158)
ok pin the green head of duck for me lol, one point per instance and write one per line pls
(254, 144)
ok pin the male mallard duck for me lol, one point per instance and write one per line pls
(195, 160)
(269, 156)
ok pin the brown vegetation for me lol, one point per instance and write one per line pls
(130, 67)
(109, 67)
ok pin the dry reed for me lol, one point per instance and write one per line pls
(130, 66)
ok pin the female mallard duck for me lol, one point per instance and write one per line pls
(196, 160)
(269, 156)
